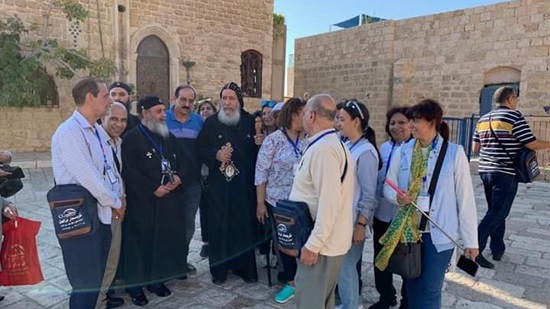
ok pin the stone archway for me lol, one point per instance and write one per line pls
(152, 68)
(155, 31)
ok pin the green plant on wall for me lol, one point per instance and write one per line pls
(278, 25)
(23, 78)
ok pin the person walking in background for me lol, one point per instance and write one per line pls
(399, 131)
(452, 205)
(496, 167)
(277, 161)
(354, 125)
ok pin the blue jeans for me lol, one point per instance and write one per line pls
(424, 292)
(192, 200)
(85, 258)
(348, 281)
(500, 192)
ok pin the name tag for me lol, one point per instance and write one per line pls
(111, 174)
(423, 202)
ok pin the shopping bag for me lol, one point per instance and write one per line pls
(19, 255)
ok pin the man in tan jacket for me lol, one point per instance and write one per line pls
(318, 183)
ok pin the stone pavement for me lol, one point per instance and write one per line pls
(520, 280)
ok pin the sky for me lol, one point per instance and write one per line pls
(309, 17)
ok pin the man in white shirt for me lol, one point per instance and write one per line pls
(81, 155)
(324, 181)
(114, 124)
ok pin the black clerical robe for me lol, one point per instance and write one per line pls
(232, 204)
(153, 231)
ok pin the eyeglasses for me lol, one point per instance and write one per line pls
(355, 106)
(266, 103)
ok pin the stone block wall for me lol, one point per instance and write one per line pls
(213, 34)
(446, 57)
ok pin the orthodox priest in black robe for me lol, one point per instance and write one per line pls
(153, 233)
(228, 145)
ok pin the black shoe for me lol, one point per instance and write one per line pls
(218, 281)
(383, 305)
(483, 262)
(138, 298)
(250, 280)
(183, 277)
(497, 257)
(2, 298)
(114, 302)
(190, 269)
(160, 289)
(204, 251)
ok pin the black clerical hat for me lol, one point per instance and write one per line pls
(121, 85)
(148, 102)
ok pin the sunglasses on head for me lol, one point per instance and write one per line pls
(268, 104)
(355, 106)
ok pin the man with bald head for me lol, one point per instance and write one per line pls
(114, 123)
(324, 181)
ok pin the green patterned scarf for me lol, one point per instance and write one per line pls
(404, 227)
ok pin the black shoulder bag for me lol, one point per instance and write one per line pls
(294, 222)
(525, 162)
(406, 259)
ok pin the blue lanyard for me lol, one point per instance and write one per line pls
(294, 144)
(432, 147)
(105, 165)
(389, 158)
(155, 145)
(319, 138)
(355, 144)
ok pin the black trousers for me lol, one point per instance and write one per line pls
(383, 280)
(85, 259)
(203, 212)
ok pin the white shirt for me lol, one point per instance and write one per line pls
(77, 158)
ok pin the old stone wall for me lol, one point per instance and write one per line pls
(213, 34)
(448, 57)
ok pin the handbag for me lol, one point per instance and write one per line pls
(406, 259)
(526, 165)
(74, 211)
(294, 223)
(19, 254)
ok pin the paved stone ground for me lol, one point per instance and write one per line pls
(520, 280)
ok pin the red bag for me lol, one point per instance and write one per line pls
(19, 255)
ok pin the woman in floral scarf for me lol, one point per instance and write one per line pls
(452, 205)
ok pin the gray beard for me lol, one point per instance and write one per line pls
(158, 127)
(230, 120)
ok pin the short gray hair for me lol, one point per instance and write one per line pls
(317, 104)
(115, 104)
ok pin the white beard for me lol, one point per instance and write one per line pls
(159, 127)
(230, 120)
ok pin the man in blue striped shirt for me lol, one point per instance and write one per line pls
(185, 125)
(496, 166)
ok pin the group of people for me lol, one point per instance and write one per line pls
(151, 173)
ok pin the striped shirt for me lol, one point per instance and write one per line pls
(512, 131)
(78, 158)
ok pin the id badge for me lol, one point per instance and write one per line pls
(165, 165)
(111, 174)
(423, 202)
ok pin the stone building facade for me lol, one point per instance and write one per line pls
(152, 43)
(450, 57)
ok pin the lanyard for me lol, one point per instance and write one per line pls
(294, 144)
(155, 145)
(355, 144)
(319, 138)
(425, 161)
(105, 165)
(389, 158)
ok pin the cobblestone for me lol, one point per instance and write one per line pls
(520, 280)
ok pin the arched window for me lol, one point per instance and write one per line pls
(251, 73)
(46, 89)
(153, 68)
